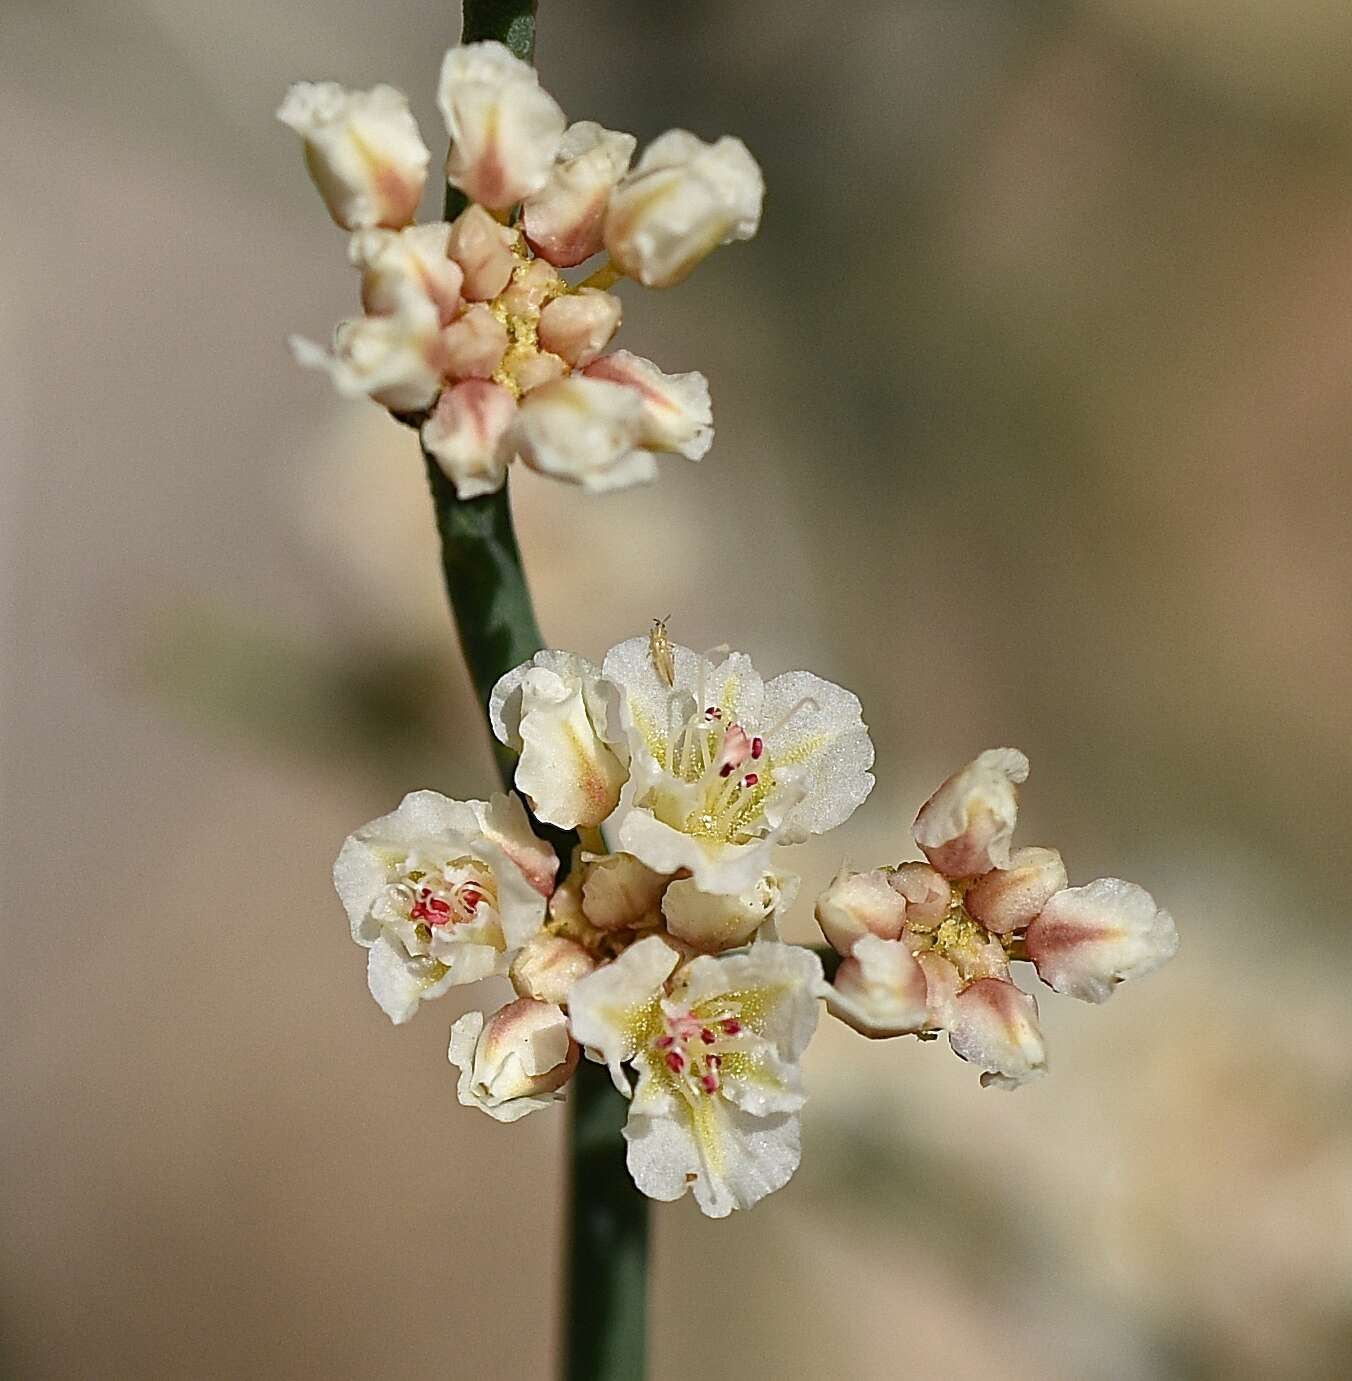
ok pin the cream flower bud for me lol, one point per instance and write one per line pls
(1088, 939)
(548, 966)
(474, 344)
(683, 200)
(880, 990)
(579, 326)
(714, 921)
(468, 435)
(942, 981)
(505, 129)
(532, 285)
(677, 415)
(532, 369)
(584, 431)
(363, 151)
(1006, 899)
(926, 891)
(994, 1025)
(620, 893)
(515, 1064)
(414, 261)
(965, 827)
(563, 221)
(396, 359)
(483, 249)
(859, 904)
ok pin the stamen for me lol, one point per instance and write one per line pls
(706, 1036)
(750, 779)
(675, 1061)
(807, 702)
(732, 1027)
(757, 747)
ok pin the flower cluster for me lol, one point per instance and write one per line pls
(928, 945)
(469, 329)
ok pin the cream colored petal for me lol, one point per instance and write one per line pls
(880, 990)
(469, 436)
(965, 828)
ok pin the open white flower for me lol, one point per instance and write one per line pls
(505, 128)
(515, 1064)
(363, 151)
(564, 720)
(563, 221)
(442, 892)
(683, 200)
(723, 765)
(716, 1049)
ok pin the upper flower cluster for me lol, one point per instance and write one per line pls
(469, 328)
(928, 946)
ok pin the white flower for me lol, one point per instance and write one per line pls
(585, 431)
(563, 221)
(468, 435)
(965, 827)
(715, 921)
(397, 263)
(505, 129)
(881, 989)
(559, 714)
(1088, 939)
(722, 765)
(440, 893)
(717, 1051)
(396, 359)
(579, 325)
(677, 415)
(683, 200)
(516, 1063)
(363, 151)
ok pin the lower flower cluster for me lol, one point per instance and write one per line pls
(658, 953)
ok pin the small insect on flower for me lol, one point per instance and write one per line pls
(659, 649)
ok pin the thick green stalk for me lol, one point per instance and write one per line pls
(606, 1260)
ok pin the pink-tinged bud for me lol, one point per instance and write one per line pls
(394, 264)
(483, 249)
(363, 151)
(474, 344)
(927, 893)
(579, 326)
(468, 435)
(677, 415)
(532, 285)
(531, 369)
(965, 827)
(711, 922)
(859, 904)
(1088, 939)
(515, 1063)
(683, 200)
(620, 893)
(563, 221)
(547, 966)
(1006, 899)
(994, 1026)
(942, 981)
(505, 130)
(584, 431)
(880, 990)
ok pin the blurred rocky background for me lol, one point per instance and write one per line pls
(1034, 398)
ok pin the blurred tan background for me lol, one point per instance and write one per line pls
(1034, 400)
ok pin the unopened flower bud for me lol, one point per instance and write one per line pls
(712, 921)
(584, 431)
(532, 285)
(579, 326)
(994, 1025)
(620, 893)
(515, 1064)
(394, 264)
(505, 129)
(965, 827)
(683, 200)
(1088, 939)
(563, 221)
(859, 904)
(880, 990)
(926, 890)
(942, 981)
(474, 344)
(468, 435)
(677, 415)
(483, 249)
(363, 151)
(547, 966)
(532, 369)
(1006, 899)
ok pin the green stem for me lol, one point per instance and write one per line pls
(606, 1261)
